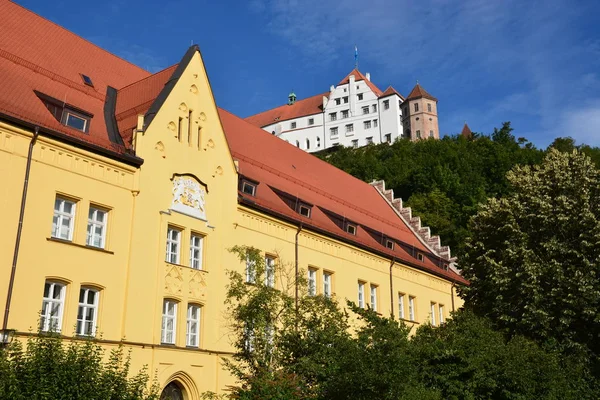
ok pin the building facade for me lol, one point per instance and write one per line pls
(354, 113)
(137, 184)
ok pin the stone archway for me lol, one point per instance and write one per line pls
(173, 391)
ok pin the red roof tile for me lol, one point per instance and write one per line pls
(418, 92)
(301, 108)
(30, 61)
(391, 91)
(358, 76)
(316, 182)
(466, 131)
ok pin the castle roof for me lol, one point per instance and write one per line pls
(391, 91)
(300, 108)
(121, 91)
(466, 131)
(358, 76)
(418, 92)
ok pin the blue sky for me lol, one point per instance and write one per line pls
(534, 63)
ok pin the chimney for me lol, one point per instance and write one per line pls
(368, 75)
(331, 88)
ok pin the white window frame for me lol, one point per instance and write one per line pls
(196, 251)
(375, 123)
(367, 124)
(84, 308)
(169, 316)
(333, 132)
(269, 271)
(312, 282)
(345, 114)
(60, 215)
(49, 321)
(93, 223)
(192, 339)
(442, 316)
(411, 308)
(370, 140)
(401, 305)
(374, 297)
(293, 125)
(374, 108)
(173, 238)
(327, 281)
(333, 116)
(365, 110)
(386, 104)
(349, 128)
(433, 313)
(361, 294)
(250, 270)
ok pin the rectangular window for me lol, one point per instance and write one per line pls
(370, 140)
(87, 314)
(327, 283)
(429, 107)
(442, 316)
(361, 294)
(374, 297)
(355, 144)
(386, 104)
(190, 124)
(420, 257)
(53, 305)
(345, 113)
(173, 241)
(332, 116)
(169, 322)
(76, 121)
(389, 244)
(388, 138)
(338, 101)
(350, 128)
(312, 282)
(248, 188)
(430, 133)
(64, 218)
(401, 305)
(416, 107)
(269, 271)
(432, 314)
(365, 110)
(351, 228)
(311, 121)
(360, 96)
(303, 210)
(293, 125)
(418, 134)
(367, 124)
(411, 308)
(333, 131)
(399, 103)
(192, 332)
(346, 100)
(250, 270)
(374, 108)
(196, 250)
(375, 123)
(96, 228)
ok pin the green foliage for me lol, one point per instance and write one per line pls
(321, 351)
(534, 256)
(445, 180)
(49, 368)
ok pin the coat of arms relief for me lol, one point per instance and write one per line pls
(189, 196)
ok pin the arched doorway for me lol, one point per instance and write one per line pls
(172, 391)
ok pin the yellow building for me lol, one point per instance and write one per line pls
(123, 191)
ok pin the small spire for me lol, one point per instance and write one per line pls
(291, 98)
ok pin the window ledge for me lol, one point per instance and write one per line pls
(186, 266)
(83, 246)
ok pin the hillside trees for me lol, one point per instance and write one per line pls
(533, 259)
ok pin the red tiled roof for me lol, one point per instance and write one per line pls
(36, 54)
(316, 182)
(391, 91)
(137, 98)
(466, 131)
(358, 76)
(301, 108)
(418, 92)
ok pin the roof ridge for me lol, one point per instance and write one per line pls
(284, 105)
(49, 74)
(78, 37)
(147, 77)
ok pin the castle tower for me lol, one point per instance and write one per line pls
(419, 115)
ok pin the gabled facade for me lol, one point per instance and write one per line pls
(130, 209)
(354, 113)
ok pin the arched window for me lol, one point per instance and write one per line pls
(172, 392)
(318, 141)
(297, 144)
(307, 144)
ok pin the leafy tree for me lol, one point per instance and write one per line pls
(534, 256)
(48, 368)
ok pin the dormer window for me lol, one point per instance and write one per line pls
(351, 228)
(249, 188)
(420, 257)
(66, 114)
(303, 209)
(389, 244)
(87, 80)
(74, 120)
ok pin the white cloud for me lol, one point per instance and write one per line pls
(583, 124)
